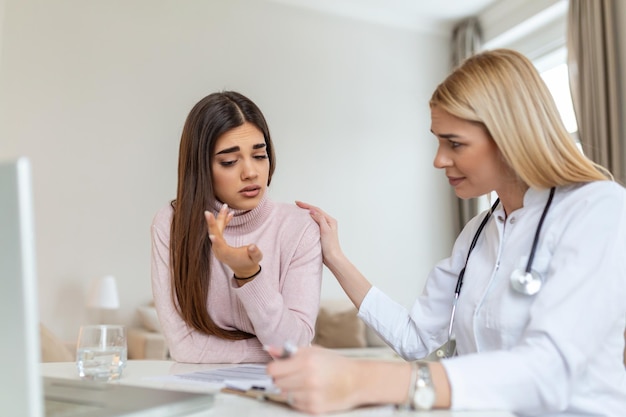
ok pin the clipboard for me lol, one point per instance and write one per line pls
(257, 394)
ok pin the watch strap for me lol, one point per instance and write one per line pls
(408, 404)
(423, 397)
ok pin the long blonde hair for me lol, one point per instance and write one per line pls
(502, 90)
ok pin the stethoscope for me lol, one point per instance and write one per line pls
(527, 281)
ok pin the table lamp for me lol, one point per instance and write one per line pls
(103, 294)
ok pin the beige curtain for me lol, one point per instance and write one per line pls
(594, 81)
(466, 41)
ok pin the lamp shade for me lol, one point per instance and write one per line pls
(103, 293)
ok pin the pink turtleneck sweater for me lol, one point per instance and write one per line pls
(279, 305)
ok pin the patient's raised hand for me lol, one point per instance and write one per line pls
(243, 260)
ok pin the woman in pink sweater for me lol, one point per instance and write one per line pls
(232, 270)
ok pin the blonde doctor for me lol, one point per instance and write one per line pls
(534, 290)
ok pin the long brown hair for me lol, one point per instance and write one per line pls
(190, 247)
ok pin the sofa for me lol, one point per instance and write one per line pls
(337, 327)
(54, 349)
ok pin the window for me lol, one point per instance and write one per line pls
(557, 80)
(553, 69)
(538, 30)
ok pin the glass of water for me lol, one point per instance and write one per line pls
(101, 352)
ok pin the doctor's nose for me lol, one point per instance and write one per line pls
(441, 159)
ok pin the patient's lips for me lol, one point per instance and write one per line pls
(250, 190)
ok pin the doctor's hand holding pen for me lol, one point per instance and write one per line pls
(317, 380)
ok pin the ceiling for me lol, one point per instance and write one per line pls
(428, 15)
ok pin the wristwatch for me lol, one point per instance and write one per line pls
(423, 391)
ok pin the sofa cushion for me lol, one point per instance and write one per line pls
(146, 344)
(338, 326)
(149, 319)
(52, 348)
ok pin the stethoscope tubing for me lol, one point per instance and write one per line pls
(533, 249)
(459, 282)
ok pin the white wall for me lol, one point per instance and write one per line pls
(96, 93)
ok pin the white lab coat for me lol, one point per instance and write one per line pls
(557, 353)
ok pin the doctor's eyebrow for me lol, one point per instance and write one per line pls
(448, 136)
(237, 149)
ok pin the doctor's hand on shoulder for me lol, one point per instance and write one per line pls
(329, 231)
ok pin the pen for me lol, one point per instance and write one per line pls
(289, 349)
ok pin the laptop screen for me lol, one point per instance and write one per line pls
(21, 386)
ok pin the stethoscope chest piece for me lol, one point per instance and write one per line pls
(528, 283)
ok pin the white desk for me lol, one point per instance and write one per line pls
(144, 373)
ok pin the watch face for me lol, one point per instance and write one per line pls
(424, 398)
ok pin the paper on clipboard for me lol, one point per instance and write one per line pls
(241, 374)
(247, 380)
